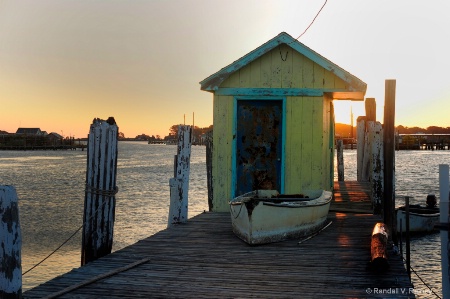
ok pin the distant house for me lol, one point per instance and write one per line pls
(30, 131)
(54, 138)
(3, 133)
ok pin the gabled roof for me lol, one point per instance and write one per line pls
(356, 89)
(29, 131)
(56, 135)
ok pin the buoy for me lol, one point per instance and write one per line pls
(431, 201)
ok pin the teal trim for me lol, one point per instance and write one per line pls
(234, 132)
(233, 150)
(275, 92)
(213, 82)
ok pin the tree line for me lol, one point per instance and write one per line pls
(345, 130)
(173, 133)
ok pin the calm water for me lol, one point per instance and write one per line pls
(50, 186)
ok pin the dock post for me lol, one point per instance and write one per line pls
(376, 168)
(360, 133)
(100, 201)
(444, 206)
(389, 157)
(179, 185)
(209, 176)
(10, 244)
(340, 159)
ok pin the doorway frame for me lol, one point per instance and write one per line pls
(234, 132)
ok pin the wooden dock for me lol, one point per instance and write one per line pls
(204, 259)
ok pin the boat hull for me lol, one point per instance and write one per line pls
(260, 222)
(419, 221)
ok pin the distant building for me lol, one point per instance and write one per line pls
(54, 138)
(30, 131)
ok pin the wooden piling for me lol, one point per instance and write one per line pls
(360, 136)
(209, 178)
(99, 203)
(375, 133)
(10, 245)
(340, 159)
(179, 185)
(389, 156)
(444, 208)
(371, 109)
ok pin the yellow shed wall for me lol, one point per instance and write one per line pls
(308, 146)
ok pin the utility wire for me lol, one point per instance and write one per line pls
(313, 20)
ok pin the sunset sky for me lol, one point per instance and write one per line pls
(65, 62)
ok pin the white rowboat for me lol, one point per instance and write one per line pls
(265, 216)
(421, 219)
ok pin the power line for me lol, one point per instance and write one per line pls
(313, 20)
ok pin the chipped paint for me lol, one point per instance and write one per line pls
(10, 244)
(99, 204)
(259, 144)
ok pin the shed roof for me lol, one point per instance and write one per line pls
(356, 88)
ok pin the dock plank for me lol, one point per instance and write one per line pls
(204, 259)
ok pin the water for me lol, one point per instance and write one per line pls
(50, 187)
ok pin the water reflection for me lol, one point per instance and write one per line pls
(50, 187)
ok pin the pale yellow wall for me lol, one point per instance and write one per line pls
(222, 147)
(270, 71)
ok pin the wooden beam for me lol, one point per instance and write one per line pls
(389, 156)
(371, 109)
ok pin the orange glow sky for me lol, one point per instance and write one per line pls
(63, 63)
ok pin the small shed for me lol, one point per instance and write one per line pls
(273, 120)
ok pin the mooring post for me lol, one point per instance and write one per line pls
(179, 185)
(377, 168)
(99, 202)
(444, 219)
(340, 159)
(10, 245)
(360, 136)
(209, 176)
(389, 157)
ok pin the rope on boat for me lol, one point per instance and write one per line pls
(88, 189)
(231, 211)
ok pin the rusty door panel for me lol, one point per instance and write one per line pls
(258, 145)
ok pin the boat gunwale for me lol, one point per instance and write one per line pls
(294, 205)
